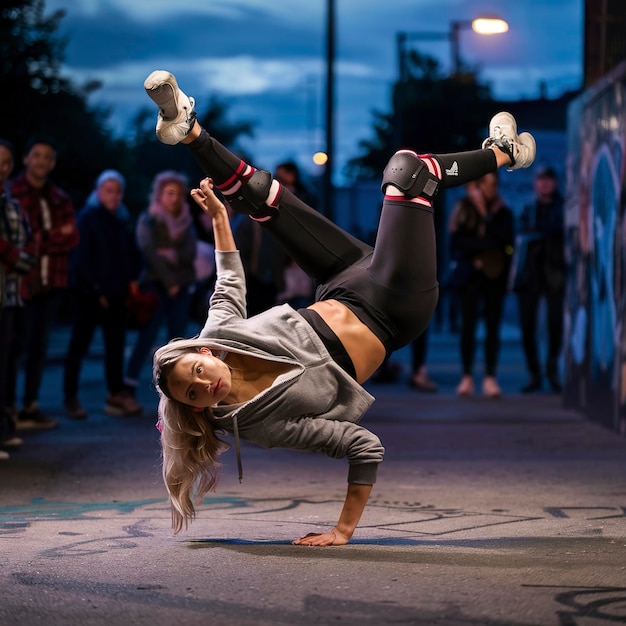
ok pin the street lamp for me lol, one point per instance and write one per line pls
(328, 196)
(486, 25)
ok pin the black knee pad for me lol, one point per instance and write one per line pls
(407, 172)
(250, 198)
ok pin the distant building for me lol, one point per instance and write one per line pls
(605, 43)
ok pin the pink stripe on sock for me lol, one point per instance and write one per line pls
(416, 200)
(242, 174)
(432, 164)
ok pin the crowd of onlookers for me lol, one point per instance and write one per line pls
(113, 273)
(155, 274)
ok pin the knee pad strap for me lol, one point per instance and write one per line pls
(407, 172)
(250, 198)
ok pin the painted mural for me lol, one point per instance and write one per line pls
(595, 346)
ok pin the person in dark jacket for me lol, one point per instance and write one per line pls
(287, 378)
(481, 242)
(167, 240)
(104, 265)
(542, 276)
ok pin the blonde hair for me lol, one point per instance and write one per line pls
(189, 443)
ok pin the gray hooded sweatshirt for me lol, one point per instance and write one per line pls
(314, 406)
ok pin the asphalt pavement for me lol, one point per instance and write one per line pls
(508, 512)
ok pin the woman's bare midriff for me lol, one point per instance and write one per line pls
(364, 348)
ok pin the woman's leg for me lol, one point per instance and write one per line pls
(316, 244)
(145, 340)
(469, 318)
(528, 301)
(493, 292)
(86, 318)
(404, 253)
(114, 335)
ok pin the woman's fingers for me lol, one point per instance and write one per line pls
(315, 539)
(199, 197)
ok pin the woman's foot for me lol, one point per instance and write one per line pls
(466, 386)
(521, 149)
(422, 381)
(177, 114)
(491, 389)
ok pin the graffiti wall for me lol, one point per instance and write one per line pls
(595, 346)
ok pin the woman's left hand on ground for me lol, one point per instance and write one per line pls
(333, 538)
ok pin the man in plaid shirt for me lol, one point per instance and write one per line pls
(17, 257)
(53, 221)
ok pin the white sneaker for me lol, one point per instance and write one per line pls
(176, 110)
(503, 133)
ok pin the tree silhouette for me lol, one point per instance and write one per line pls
(430, 112)
(38, 100)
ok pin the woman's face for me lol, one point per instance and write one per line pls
(200, 380)
(488, 185)
(110, 194)
(172, 198)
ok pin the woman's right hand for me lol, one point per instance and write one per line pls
(206, 199)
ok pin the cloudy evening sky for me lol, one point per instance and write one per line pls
(267, 59)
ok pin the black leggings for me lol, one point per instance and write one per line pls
(392, 286)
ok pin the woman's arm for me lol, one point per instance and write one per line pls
(356, 499)
(229, 295)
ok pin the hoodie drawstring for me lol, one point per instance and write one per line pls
(237, 448)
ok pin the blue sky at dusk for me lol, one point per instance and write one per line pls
(267, 60)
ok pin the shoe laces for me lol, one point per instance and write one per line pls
(504, 143)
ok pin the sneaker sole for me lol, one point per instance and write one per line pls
(162, 88)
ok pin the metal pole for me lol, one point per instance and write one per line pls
(400, 51)
(328, 194)
(455, 44)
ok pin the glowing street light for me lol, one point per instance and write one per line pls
(320, 158)
(484, 25)
(489, 26)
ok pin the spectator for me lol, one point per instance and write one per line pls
(167, 240)
(53, 221)
(420, 379)
(542, 275)
(263, 261)
(16, 259)
(482, 234)
(288, 174)
(298, 289)
(104, 265)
